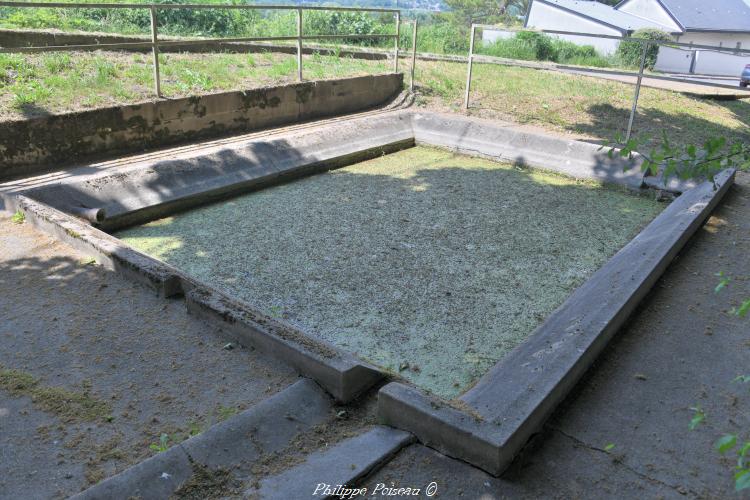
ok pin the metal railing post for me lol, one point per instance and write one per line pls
(155, 50)
(413, 55)
(645, 46)
(299, 44)
(398, 35)
(468, 71)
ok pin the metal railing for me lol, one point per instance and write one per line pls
(645, 44)
(155, 43)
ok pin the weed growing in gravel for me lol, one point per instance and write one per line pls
(162, 445)
(18, 217)
(225, 412)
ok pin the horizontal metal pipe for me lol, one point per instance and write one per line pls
(216, 41)
(181, 43)
(59, 5)
(614, 37)
(333, 37)
(569, 69)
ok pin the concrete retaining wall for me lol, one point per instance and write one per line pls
(36, 38)
(31, 145)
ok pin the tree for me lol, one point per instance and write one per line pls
(467, 12)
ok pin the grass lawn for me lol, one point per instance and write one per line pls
(585, 107)
(57, 82)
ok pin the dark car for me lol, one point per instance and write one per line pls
(745, 77)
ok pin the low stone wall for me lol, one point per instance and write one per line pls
(37, 38)
(37, 144)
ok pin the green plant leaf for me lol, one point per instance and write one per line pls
(742, 480)
(722, 284)
(726, 443)
(698, 417)
(18, 217)
(744, 309)
(609, 447)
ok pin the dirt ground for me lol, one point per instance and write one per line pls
(95, 369)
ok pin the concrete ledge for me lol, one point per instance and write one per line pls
(11, 38)
(507, 143)
(496, 418)
(135, 194)
(342, 465)
(108, 251)
(450, 430)
(341, 374)
(32, 145)
(242, 439)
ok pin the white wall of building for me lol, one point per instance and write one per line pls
(651, 10)
(719, 63)
(707, 62)
(545, 16)
(728, 40)
(673, 60)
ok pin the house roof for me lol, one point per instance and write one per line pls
(605, 14)
(710, 15)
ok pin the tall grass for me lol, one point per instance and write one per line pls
(540, 47)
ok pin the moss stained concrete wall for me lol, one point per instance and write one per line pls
(11, 38)
(28, 146)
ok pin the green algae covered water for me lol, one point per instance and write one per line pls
(426, 263)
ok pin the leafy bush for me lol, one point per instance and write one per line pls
(540, 44)
(529, 46)
(629, 53)
(442, 38)
(344, 23)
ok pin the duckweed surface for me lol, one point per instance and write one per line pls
(426, 263)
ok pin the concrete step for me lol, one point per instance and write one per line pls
(326, 473)
(266, 428)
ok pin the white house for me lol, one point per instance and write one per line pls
(720, 23)
(585, 16)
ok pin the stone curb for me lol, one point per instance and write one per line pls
(267, 427)
(494, 420)
(344, 464)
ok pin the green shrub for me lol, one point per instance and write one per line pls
(442, 38)
(629, 53)
(540, 43)
(529, 46)
(344, 23)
